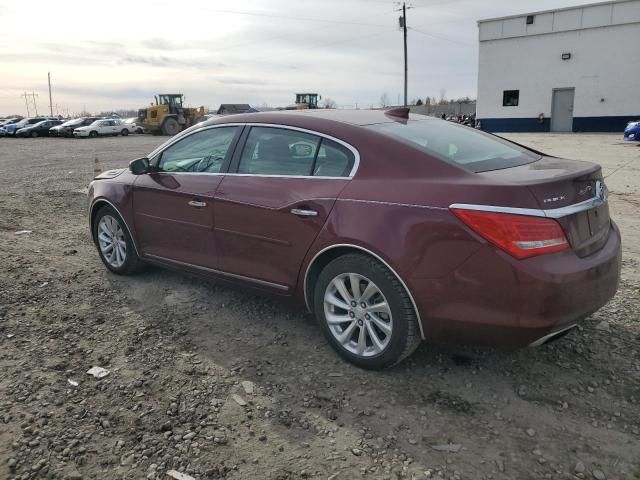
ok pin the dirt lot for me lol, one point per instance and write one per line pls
(179, 349)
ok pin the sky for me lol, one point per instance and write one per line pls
(116, 54)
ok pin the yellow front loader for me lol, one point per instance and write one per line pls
(168, 116)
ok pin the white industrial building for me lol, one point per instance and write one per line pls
(572, 69)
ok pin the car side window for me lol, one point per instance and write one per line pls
(201, 152)
(278, 151)
(333, 160)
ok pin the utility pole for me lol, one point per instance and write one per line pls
(50, 102)
(404, 33)
(403, 25)
(35, 104)
(26, 102)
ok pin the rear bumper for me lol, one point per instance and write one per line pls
(494, 299)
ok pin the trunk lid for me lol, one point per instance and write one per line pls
(571, 191)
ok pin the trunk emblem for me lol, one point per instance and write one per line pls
(584, 190)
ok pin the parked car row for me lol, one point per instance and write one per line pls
(9, 120)
(11, 129)
(77, 127)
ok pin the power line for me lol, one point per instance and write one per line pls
(35, 104)
(440, 37)
(291, 17)
(25, 94)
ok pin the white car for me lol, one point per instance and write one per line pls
(133, 127)
(109, 126)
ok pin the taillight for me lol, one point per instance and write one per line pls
(519, 235)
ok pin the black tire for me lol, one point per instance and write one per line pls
(93, 134)
(124, 132)
(132, 263)
(34, 134)
(404, 337)
(170, 127)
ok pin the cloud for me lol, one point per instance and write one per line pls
(261, 51)
(158, 43)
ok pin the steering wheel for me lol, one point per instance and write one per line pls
(206, 163)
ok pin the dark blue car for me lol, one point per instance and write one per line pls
(632, 132)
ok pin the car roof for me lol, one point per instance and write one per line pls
(316, 117)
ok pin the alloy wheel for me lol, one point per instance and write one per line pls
(112, 241)
(358, 314)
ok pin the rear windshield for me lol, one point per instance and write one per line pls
(471, 149)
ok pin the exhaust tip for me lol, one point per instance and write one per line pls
(551, 337)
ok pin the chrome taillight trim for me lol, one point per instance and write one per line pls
(593, 202)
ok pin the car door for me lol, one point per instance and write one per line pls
(275, 200)
(104, 127)
(174, 207)
(44, 128)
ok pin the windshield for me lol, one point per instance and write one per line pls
(175, 100)
(471, 149)
(70, 123)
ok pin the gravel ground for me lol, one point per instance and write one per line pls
(215, 382)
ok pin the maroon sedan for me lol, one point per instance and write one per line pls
(393, 228)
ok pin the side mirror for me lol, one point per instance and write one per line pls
(139, 166)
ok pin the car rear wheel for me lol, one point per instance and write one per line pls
(125, 132)
(93, 134)
(114, 243)
(34, 134)
(365, 312)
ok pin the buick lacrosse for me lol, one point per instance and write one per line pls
(391, 227)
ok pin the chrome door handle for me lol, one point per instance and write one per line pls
(304, 213)
(196, 204)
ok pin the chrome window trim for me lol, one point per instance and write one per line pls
(219, 272)
(252, 175)
(380, 259)
(93, 203)
(393, 204)
(560, 212)
(356, 153)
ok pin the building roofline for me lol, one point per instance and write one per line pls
(553, 10)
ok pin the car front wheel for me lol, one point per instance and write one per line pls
(365, 312)
(125, 132)
(114, 243)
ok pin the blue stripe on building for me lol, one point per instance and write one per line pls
(580, 124)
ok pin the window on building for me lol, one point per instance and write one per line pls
(510, 98)
(530, 19)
